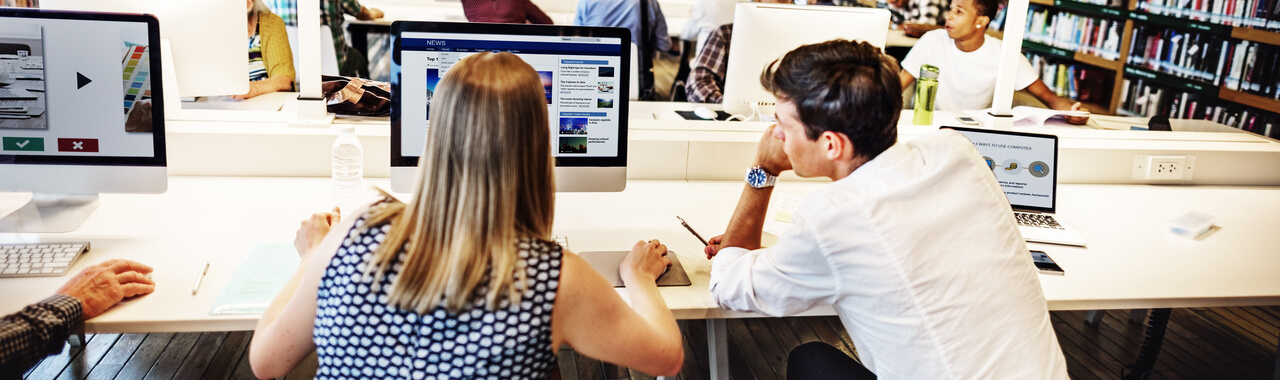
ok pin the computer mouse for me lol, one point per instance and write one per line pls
(704, 113)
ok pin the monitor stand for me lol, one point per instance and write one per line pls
(25, 212)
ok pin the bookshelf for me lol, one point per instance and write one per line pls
(1186, 52)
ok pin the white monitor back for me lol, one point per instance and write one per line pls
(208, 39)
(765, 32)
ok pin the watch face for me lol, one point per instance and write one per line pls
(756, 177)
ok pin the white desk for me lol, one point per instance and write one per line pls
(1131, 262)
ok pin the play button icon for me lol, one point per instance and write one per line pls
(81, 80)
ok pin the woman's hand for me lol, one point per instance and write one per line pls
(645, 263)
(313, 230)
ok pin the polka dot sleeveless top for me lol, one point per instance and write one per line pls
(359, 335)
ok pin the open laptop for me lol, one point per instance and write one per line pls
(1026, 165)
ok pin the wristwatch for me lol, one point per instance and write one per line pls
(759, 178)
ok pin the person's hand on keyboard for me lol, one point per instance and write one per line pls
(101, 286)
(313, 230)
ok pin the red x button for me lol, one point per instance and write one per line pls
(78, 145)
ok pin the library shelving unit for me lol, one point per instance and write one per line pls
(1218, 52)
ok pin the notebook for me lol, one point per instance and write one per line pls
(1026, 165)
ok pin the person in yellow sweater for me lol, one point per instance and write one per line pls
(270, 58)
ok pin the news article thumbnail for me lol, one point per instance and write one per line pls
(433, 78)
(548, 81)
(573, 145)
(573, 125)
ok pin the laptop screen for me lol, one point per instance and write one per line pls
(583, 71)
(1025, 164)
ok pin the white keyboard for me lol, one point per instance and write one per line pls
(39, 260)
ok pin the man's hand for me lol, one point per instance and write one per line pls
(313, 230)
(1078, 120)
(369, 14)
(713, 246)
(769, 153)
(101, 286)
(645, 263)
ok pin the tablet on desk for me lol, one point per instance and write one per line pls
(606, 262)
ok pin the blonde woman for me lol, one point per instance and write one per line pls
(463, 282)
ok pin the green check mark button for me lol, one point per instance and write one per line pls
(30, 144)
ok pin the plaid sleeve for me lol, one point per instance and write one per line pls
(39, 330)
(707, 76)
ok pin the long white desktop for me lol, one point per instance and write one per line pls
(217, 207)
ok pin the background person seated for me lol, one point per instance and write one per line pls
(968, 61)
(706, 79)
(465, 281)
(270, 58)
(350, 61)
(915, 17)
(505, 12)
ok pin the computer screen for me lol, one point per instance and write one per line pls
(584, 72)
(80, 104)
(208, 39)
(765, 32)
(1025, 165)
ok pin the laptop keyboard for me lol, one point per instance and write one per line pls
(1027, 219)
(39, 260)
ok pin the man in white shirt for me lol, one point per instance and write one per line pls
(914, 244)
(968, 61)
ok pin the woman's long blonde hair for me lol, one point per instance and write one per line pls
(485, 180)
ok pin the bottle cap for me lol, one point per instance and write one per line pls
(929, 71)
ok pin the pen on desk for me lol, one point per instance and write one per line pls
(695, 233)
(200, 278)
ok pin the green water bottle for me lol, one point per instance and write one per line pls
(926, 93)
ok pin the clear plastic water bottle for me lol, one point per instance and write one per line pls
(926, 94)
(348, 162)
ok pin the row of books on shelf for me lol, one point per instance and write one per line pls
(1091, 35)
(1240, 65)
(20, 3)
(1141, 97)
(1258, 14)
(1067, 79)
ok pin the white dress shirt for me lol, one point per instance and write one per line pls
(919, 254)
(966, 80)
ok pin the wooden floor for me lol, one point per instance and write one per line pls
(1203, 343)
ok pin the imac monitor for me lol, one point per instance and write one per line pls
(584, 72)
(93, 122)
(207, 38)
(765, 32)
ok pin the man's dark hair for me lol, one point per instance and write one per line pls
(843, 86)
(986, 8)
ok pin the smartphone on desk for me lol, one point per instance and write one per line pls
(1045, 264)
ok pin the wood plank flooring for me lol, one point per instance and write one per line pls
(1201, 343)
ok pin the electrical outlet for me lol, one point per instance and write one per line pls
(1163, 168)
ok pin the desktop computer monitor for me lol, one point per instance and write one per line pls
(81, 113)
(207, 38)
(584, 72)
(765, 32)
